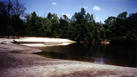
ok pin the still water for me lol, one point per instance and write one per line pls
(121, 54)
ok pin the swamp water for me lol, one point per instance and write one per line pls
(121, 54)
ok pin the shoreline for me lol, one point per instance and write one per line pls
(43, 42)
(18, 61)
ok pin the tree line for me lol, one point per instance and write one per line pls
(81, 27)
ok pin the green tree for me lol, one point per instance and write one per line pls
(55, 25)
(64, 27)
(122, 15)
(121, 27)
(5, 26)
(83, 26)
(47, 27)
(110, 27)
(34, 25)
(17, 10)
(131, 33)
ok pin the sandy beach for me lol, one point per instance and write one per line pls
(18, 61)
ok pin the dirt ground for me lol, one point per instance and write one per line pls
(18, 61)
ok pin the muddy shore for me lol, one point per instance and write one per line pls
(18, 61)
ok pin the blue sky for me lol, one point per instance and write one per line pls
(101, 9)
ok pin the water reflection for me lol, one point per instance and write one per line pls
(122, 54)
(99, 60)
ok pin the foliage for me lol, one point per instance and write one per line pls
(10, 22)
(81, 27)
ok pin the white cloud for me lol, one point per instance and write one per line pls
(96, 8)
(54, 3)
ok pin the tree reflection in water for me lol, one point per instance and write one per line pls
(117, 53)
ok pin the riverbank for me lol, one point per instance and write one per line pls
(18, 61)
